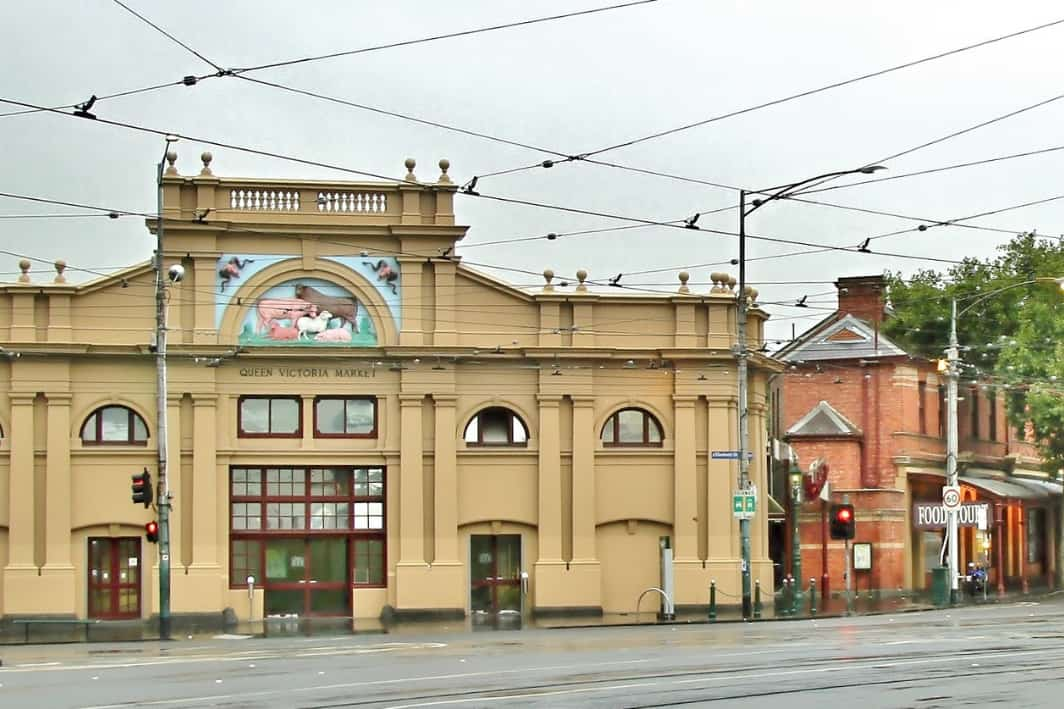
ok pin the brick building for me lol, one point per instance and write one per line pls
(856, 400)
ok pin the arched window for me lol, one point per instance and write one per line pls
(496, 426)
(632, 427)
(114, 426)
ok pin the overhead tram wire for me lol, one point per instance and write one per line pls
(220, 72)
(166, 34)
(827, 87)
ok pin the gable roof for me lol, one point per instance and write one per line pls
(823, 420)
(847, 337)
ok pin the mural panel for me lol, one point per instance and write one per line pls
(305, 312)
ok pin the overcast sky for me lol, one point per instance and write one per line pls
(573, 85)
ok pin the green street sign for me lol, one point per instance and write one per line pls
(744, 504)
(737, 504)
(750, 504)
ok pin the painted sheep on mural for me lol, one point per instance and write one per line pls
(310, 312)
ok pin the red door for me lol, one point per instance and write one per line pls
(114, 577)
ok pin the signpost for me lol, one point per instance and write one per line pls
(744, 503)
(729, 455)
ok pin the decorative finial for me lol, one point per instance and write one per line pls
(410, 164)
(731, 282)
(581, 276)
(445, 165)
(206, 157)
(719, 279)
(171, 157)
(24, 266)
(548, 276)
(60, 266)
(684, 277)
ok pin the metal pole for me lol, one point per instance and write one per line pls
(796, 539)
(744, 427)
(951, 449)
(160, 370)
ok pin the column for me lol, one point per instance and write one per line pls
(685, 485)
(446, 315)
(20, 575)
(204, 333)
(446, 480)
(411, 333)
(414, 588)
(58, 488)
(550, 480)
(723, 543)
(583, 479)
(204, 582)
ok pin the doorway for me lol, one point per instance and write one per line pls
(114, 577)
(495, 573)
(307, 576)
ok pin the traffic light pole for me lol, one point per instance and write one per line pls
(951, 452)
(744, 424)
(161, 437)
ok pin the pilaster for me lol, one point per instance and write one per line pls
(58, 486)
(446, 314)
(203, 317)
(21, 580)
(412, 333)
(685, 481)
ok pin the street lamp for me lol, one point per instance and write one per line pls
(161, 303)
(781, 192)
(796, 542)
(953, 373)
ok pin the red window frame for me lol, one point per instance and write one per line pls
(241, 433)
(262, 534)
(345, 399)
(98, 424)
(509, 443)
(116, 546)
(649, 419)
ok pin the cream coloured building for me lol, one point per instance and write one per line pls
(361, 422)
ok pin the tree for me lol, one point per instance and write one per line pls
(1013, 339)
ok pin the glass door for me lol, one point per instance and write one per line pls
(114, 577)
(495, 573)
(307, 576)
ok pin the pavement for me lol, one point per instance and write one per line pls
(978, 655)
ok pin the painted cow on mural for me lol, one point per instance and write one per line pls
(344, 308)
(271, 310)
(385, 273)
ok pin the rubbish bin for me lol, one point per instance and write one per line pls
(940, 586)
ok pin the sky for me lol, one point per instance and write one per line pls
(572, 86)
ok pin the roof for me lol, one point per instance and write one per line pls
(848, 337)
(823, 420)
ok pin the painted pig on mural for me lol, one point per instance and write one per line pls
(337, 334)
(274, 309)
(279, 332)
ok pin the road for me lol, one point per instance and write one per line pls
(977, 656)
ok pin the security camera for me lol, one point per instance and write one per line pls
(176, 273)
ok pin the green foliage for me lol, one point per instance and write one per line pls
(1010, 331)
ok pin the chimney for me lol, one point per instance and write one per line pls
(862, 297)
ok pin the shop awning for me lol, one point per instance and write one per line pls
(1014, 488)
(775, 509)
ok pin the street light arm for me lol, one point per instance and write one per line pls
(785, 191)
(984, 296)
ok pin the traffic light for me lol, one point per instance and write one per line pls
(142, 491)
(843, 522)
(151, 530)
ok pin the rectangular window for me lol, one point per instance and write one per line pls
(993, 416)
(345, 417)
(1035, 519)
(922, 405)
(319, 505)
(270, 417)
(369, 561)
(973, 409)
(941, 411)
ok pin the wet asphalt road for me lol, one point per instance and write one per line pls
(979, 656)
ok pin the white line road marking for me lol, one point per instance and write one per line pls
(526, 695)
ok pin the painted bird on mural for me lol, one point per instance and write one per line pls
(232, 270)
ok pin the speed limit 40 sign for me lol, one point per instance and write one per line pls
(951, 497)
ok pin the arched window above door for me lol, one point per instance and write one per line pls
(496, 426)
(114, 426)
(632, 427)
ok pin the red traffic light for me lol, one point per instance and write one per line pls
(845, 514)
(843, 521)
(151, 530)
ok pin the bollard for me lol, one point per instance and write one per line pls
(796, 596)
(812, 597)
(757, 599)
(785, 597)
(713, 600)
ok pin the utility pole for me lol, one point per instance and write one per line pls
(744, 424)
(951, 449)
(161, 438)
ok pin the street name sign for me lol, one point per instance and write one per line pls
(729, 455)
